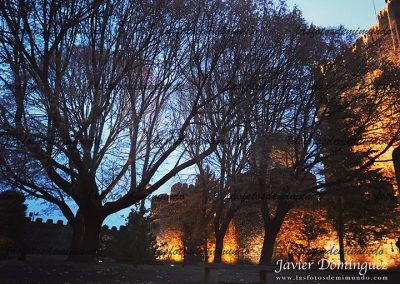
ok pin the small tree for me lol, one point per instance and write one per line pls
(361, 211)
(309, 232)
(136, 243)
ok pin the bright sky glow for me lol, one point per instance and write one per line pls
(352, 14)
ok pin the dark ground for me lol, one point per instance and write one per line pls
(55, 269)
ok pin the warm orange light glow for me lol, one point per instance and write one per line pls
(388, 255)
(230, 249)
(172, 246)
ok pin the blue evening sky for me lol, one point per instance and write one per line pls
(352, 14)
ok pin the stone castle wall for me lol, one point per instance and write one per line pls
(51, 237)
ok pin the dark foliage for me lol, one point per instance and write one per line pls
(136, 243)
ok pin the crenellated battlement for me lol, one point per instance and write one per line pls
(387, 28)
(53, 236)
(50, 223)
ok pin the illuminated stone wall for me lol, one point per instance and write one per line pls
(244, 239)
(383, 42)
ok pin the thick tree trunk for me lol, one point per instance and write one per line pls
(396, 162)
(219, 244)
(271, 230)
(205, 249)
(85, 237)
(220, 232)
(268, 246)
(340, 228)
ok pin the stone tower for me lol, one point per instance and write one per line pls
(392, 11)
(388, 24)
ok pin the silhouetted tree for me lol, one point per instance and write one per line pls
(136, 243)
(310, 231)
(97, 97)
(344, 97)
(285, 127)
